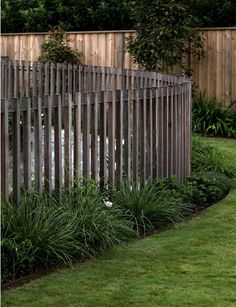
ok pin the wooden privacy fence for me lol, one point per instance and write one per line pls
(215, 74)
(52, 140)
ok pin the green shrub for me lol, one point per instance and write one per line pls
(207, 188)
(56, 49)
(212, 119)
(150, 207)
(206, 157)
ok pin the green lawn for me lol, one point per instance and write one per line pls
(192, 264)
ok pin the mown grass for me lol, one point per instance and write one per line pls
(192, 264)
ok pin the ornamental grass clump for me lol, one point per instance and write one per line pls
(149, 208)
(211, 118)
(206, 158)
(98, 226)
(43, 231)
(36, 234)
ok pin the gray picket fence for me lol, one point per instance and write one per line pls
(61, 123)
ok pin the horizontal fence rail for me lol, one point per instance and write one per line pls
(55, 139)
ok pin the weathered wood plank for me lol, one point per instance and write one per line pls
(4, 151)
(48, 102)
(27, 143)
(37, 102)
(16, 150)
(111, 139)
(58, 143)
(86, 136)
(77, 137)
(67, 140)
(94, 135)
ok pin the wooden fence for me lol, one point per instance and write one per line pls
(52, 137)
(216, 74)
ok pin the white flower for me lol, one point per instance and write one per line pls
(108, 204)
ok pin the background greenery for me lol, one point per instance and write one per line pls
(78, 15)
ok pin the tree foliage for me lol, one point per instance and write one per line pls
(40, 15)
(164, 34)
(56, 50)
(212, 13)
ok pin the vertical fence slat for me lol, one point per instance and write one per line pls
(10, 80)
(16, 149)
(127, 138)
(189, 126)
(86, 136)
(143, 135)
(67, 139)
(4, 150)
(111, 139)
(58, 143)
(77, 137)
(48, 102)
(102, 134)
(119, 134)
(149, 134)
(154, 133)
(172, 138)
(38, 143)
(27, 142)
(135, 147)
(94, 136)
(16, 80)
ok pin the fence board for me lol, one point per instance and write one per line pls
(37, 102)
(77, 139)
(67, 140)
(102, 134)
(27, 143)
(4, 150)
(16, 149)
(86, 136)
(48, 102)
(58, 143)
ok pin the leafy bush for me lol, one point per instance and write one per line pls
(150, 207)
(55, 49)
(207, 188)
(206, 157)
(211, 118)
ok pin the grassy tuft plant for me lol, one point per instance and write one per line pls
(212, 119)
(206, 157)
(35, 235)
(149, 208)
(44, 231)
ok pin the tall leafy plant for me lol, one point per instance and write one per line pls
(56, 48)
(211, 118)
(164, 35)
